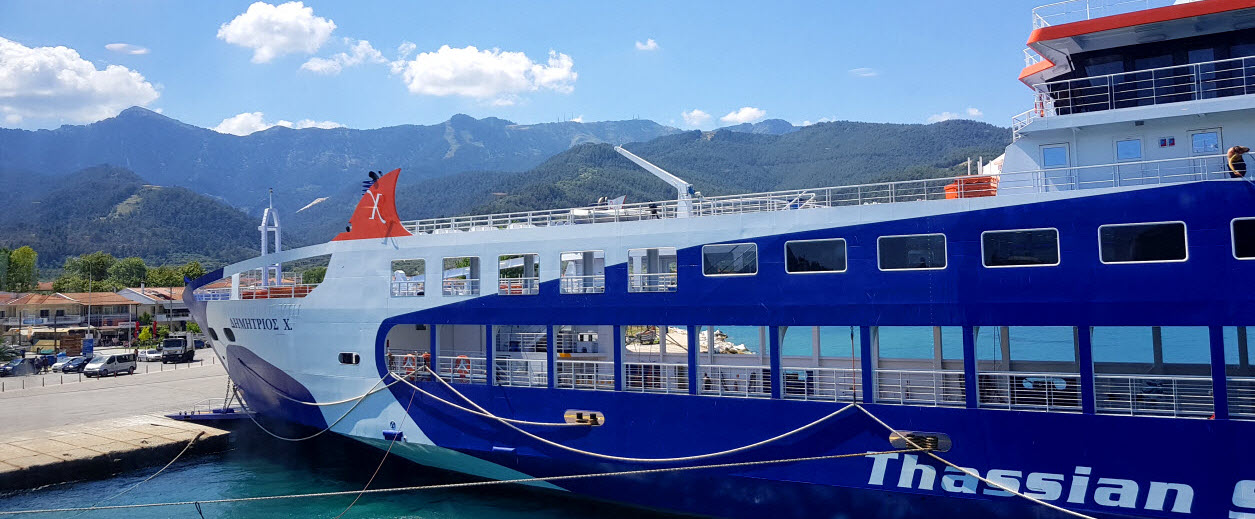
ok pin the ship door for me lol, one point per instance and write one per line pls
(1205, 145)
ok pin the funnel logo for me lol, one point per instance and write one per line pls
(374, 210)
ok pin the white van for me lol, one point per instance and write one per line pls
(105, 365)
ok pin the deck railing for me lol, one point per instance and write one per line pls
(460, 287)
(1070, 11)
(1163, 171)
(1242, 397)
(652, 377)
(1153, 395)
(584, 374)
(661, 282)
(463, 369)
(1174, 84)
(518, 286)
(408, 288)
(827, 384)
(594, 284)
(1056, 392)
(521, 372)
(920, 387)
(739, 381)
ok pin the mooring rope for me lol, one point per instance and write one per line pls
(972, 473)
(483, 414)
(155, 474)
(470, 484)
(280, 392)
(645, 460)
(404, 414)
(319, 433)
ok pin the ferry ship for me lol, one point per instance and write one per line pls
(1061, 336)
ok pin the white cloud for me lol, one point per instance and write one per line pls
(864, 72)
(695, 118)
(405, 49)
(973, 112)
(746, 114)
(817, 121)
(126, 48)
(943, 116)
(250, 122)
(649, 44)
(578, 119)
(490, 74)
(55, 83)
(359, 52)
(273, 31)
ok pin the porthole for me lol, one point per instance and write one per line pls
(212, 334)
(230, 334)
(350, 358)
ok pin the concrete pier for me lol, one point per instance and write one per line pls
(99, 449)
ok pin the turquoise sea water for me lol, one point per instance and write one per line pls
(258, 465)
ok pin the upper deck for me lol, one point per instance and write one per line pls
(1070, 11)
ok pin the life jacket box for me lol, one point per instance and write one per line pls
(972, 187)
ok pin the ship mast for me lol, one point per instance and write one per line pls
(266, 227)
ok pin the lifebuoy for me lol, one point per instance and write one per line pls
(409, 365)
(462, 366)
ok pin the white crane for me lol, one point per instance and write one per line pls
(684, 196)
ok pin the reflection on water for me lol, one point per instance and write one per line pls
(258, 465)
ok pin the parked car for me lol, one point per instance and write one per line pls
(150, 356)
(18, 367)
(75, 365)
(105, 365)
(59, 367)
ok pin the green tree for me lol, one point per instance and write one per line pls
(193, 327)
(23, 275)
(7, 353)
(145, 334)
(146, 319)
(4, 266)
(163, 331)
(192, 270)
(129, 272)
(93, 267)
(69, 283)
(164, 276)
(314, 275)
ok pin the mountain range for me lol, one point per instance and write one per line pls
(148, 185)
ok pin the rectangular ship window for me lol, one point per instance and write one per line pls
(1128, 149)
(460, 276)
(815, 256)
(912, 252)
(583, 272)
(1020, 248)
(652, 270)
(518, 274)
(1244, 238)
(731, 259)
(1143, 242)
(408, 277)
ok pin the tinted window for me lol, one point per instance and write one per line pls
(230, 334)
(1130, 149)
(1054, 157)
(1206, 143)
(923, 251)
(1142, 242)
(1244, 238)
(213, 334)
(730, 259)
(349, 358)
(1020, 248)
(815, 256)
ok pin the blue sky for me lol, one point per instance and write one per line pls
(812, 61)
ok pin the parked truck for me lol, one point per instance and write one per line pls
(177, 348)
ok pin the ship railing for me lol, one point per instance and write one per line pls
(1031, 57)
(593, 375)
(660, 282)
(651, 377)
(463, 369)
(826, 384)
(520, 372)
(408, 288)
(1242, 398)
(1070, 11)
(734, 381)
(212, 294)
(1160, 171)
(460, 287)
(528, 286)
(521, 342)
(1153, 395)
(277, 291)
(1173, 84)
(920, 387)
(1056, 392)
(593, 284)
(410, 365)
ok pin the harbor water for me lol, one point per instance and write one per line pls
(257, 465)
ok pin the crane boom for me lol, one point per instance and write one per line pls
(684, 190)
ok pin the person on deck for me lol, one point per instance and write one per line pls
(1237, 164)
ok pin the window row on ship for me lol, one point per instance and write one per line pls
(656, 269)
